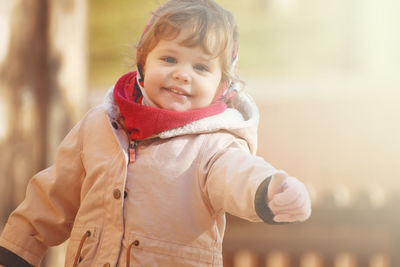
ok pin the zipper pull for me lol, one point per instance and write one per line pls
(132, 151)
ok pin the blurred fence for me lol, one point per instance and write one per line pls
(359, 235)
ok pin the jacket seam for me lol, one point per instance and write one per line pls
(200, 162)
(213, 213)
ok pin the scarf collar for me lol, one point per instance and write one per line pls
(144, 121)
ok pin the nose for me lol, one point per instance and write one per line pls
(180, 75)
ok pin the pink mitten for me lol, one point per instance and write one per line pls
(288, 198)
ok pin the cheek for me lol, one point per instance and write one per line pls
(148, 75)
(218, 92)
(220, 86)
(148, 82)
(152, 70)
(218, 83)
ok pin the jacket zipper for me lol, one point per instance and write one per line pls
(132, 144)
(132, 150)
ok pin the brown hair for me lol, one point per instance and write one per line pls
(209, 26)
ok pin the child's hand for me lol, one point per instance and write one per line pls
(288, 198)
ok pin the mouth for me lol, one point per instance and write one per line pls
(176, 90)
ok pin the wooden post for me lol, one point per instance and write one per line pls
(24, 95)
(42, 87)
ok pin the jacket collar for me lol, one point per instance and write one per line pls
(240, 118)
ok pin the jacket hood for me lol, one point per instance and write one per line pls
(240, 118)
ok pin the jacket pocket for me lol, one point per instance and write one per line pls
(147, 251)
(82, 245)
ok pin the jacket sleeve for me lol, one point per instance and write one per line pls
(46, 215)
(237, 182)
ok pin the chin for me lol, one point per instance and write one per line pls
(177, 109)
(170, 107)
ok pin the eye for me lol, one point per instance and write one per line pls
(169, 59)
(201, 67)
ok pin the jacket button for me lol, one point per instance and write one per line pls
(106, 265)
(136, 243)
(115, 125)
(116, 193)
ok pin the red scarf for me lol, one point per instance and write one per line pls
(144, 121)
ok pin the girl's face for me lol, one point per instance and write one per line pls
(181, 78)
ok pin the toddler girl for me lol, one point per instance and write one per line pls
(146, 178)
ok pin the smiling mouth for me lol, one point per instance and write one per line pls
(175, 91)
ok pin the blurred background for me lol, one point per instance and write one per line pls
(326, 78)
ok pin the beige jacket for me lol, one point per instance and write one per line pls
(166, 209)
